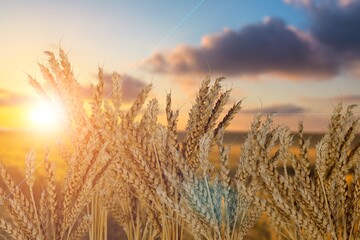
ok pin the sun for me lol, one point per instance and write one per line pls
(46, 115)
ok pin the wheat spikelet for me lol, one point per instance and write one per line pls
(116, 211)
(135, 182)
(73, 213)
(30, 179)
(198, 117)
(172, 118)
(190, 218)
(97, 99)
(225, 170)
(37, 86)
(29, 229)
(52, 199)
(30, 169)
(217, 110)
(116, 90)
(82, 228)
(304, 150)
(54, 65)
(13, 233)
(228, 117)
(135, 108)
(48, 76)
(17, 194)
(44, 214)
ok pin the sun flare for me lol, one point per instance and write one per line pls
(46, 115)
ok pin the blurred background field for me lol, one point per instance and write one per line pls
(16, 144)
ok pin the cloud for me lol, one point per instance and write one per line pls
(8, 98)
(298, 2)
(325, 102)
(335, 24)
(348, 99)
(267, 47)
(130, 89)
(278, 109)
(330, 46)
(337, 27)
(307, 3)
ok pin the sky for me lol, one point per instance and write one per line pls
(298, 58)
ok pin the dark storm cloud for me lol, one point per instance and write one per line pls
(267, 47)
(337, 26)
(279, 109)
(130, 89)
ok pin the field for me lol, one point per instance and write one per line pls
(16, 144)
(118, 173)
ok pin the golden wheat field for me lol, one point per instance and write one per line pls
(180, 120)
(16, 144)
(118, 173)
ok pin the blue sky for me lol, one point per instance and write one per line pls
(279, 55)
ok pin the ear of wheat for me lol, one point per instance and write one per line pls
(319, 203)
(125, 164)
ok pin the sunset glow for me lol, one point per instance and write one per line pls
(46, 116)
(298, 57)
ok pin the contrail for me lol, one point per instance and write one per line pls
(161, 42)
(127, 75)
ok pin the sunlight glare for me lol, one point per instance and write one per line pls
(46, 116)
